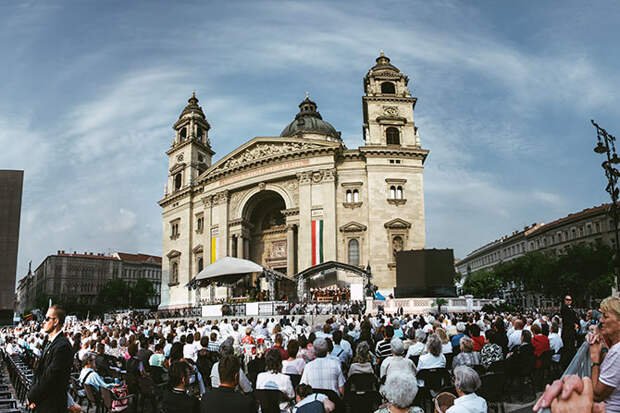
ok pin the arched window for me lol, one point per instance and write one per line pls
(354, 252)
(199, 133)
(399, 192)
(175, 273)
(178, 181)
(388, 87)
(183, 134)
(349, 197)
(392, 136)
(356, 195)
(392, 192)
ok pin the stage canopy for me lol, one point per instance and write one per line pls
(229, 270)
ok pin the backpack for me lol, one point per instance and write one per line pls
(315, 406)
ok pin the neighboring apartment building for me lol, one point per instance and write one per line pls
(136, 266)
(590, 225)
(80, 277)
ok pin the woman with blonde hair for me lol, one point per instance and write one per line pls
(446, 346)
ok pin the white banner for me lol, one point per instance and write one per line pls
(212, 310)
(357, 292)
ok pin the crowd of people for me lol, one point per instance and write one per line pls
(237, 364)
(332, 294)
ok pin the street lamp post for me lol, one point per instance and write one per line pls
(606, 146)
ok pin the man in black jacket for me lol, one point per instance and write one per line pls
(224, 398)
(48, 394)
(570, 323)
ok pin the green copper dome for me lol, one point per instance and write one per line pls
(308, 120)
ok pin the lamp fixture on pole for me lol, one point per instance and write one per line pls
(606, 145)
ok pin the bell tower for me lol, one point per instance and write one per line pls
(388, 107)
(190, 153)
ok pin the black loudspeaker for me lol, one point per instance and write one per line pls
(425, 273)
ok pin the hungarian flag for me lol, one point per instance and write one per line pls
(317, 242)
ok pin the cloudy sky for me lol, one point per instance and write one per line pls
(89, 91)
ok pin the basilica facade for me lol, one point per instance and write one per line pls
(299, 199)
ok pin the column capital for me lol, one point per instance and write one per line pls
(304, 177)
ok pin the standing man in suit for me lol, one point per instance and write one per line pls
(48, 393)
(570, 323)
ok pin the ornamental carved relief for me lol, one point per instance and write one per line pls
(329, 175)
(391, 111)
(264, 151)
(235, 200)
(221, 198)
(207, 201)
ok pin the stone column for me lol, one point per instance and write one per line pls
(240, 247)
(290, 250)
(232, 244)
(330, 231)
(206, 231)
(304, 235)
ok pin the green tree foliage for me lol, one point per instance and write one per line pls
(141, 292)
(114, 295)
(583, 270)
(440, 302)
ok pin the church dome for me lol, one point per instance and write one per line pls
(309, 120)
(192, 107)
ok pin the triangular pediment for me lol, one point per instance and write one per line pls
(397, 223)
(353, 227)
(198, 249)
(265, 150)
(173, 253)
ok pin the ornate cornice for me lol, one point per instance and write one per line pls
(395, 180)
(173, 253)
(351, 205)
(176, 195)
(352, 184)
(290, 212)
(198, 249)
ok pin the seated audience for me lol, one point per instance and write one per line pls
(466, 357)
(175, 399)
(466, 382)
(400, 391)
(491, 352)
(273, 379)
(224, 398)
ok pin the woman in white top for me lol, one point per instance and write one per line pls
(293, 365)
(272, 379)
(433, 358)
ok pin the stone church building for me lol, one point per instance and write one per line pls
(299, 199)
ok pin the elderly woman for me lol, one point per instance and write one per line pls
(434, 357)
(396, 363)
(467, 381)
(417, 348)
(362, 362)
(273, 379)
(400, 391)
(605, 366)
(467, 356)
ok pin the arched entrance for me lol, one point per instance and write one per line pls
(268, 243)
